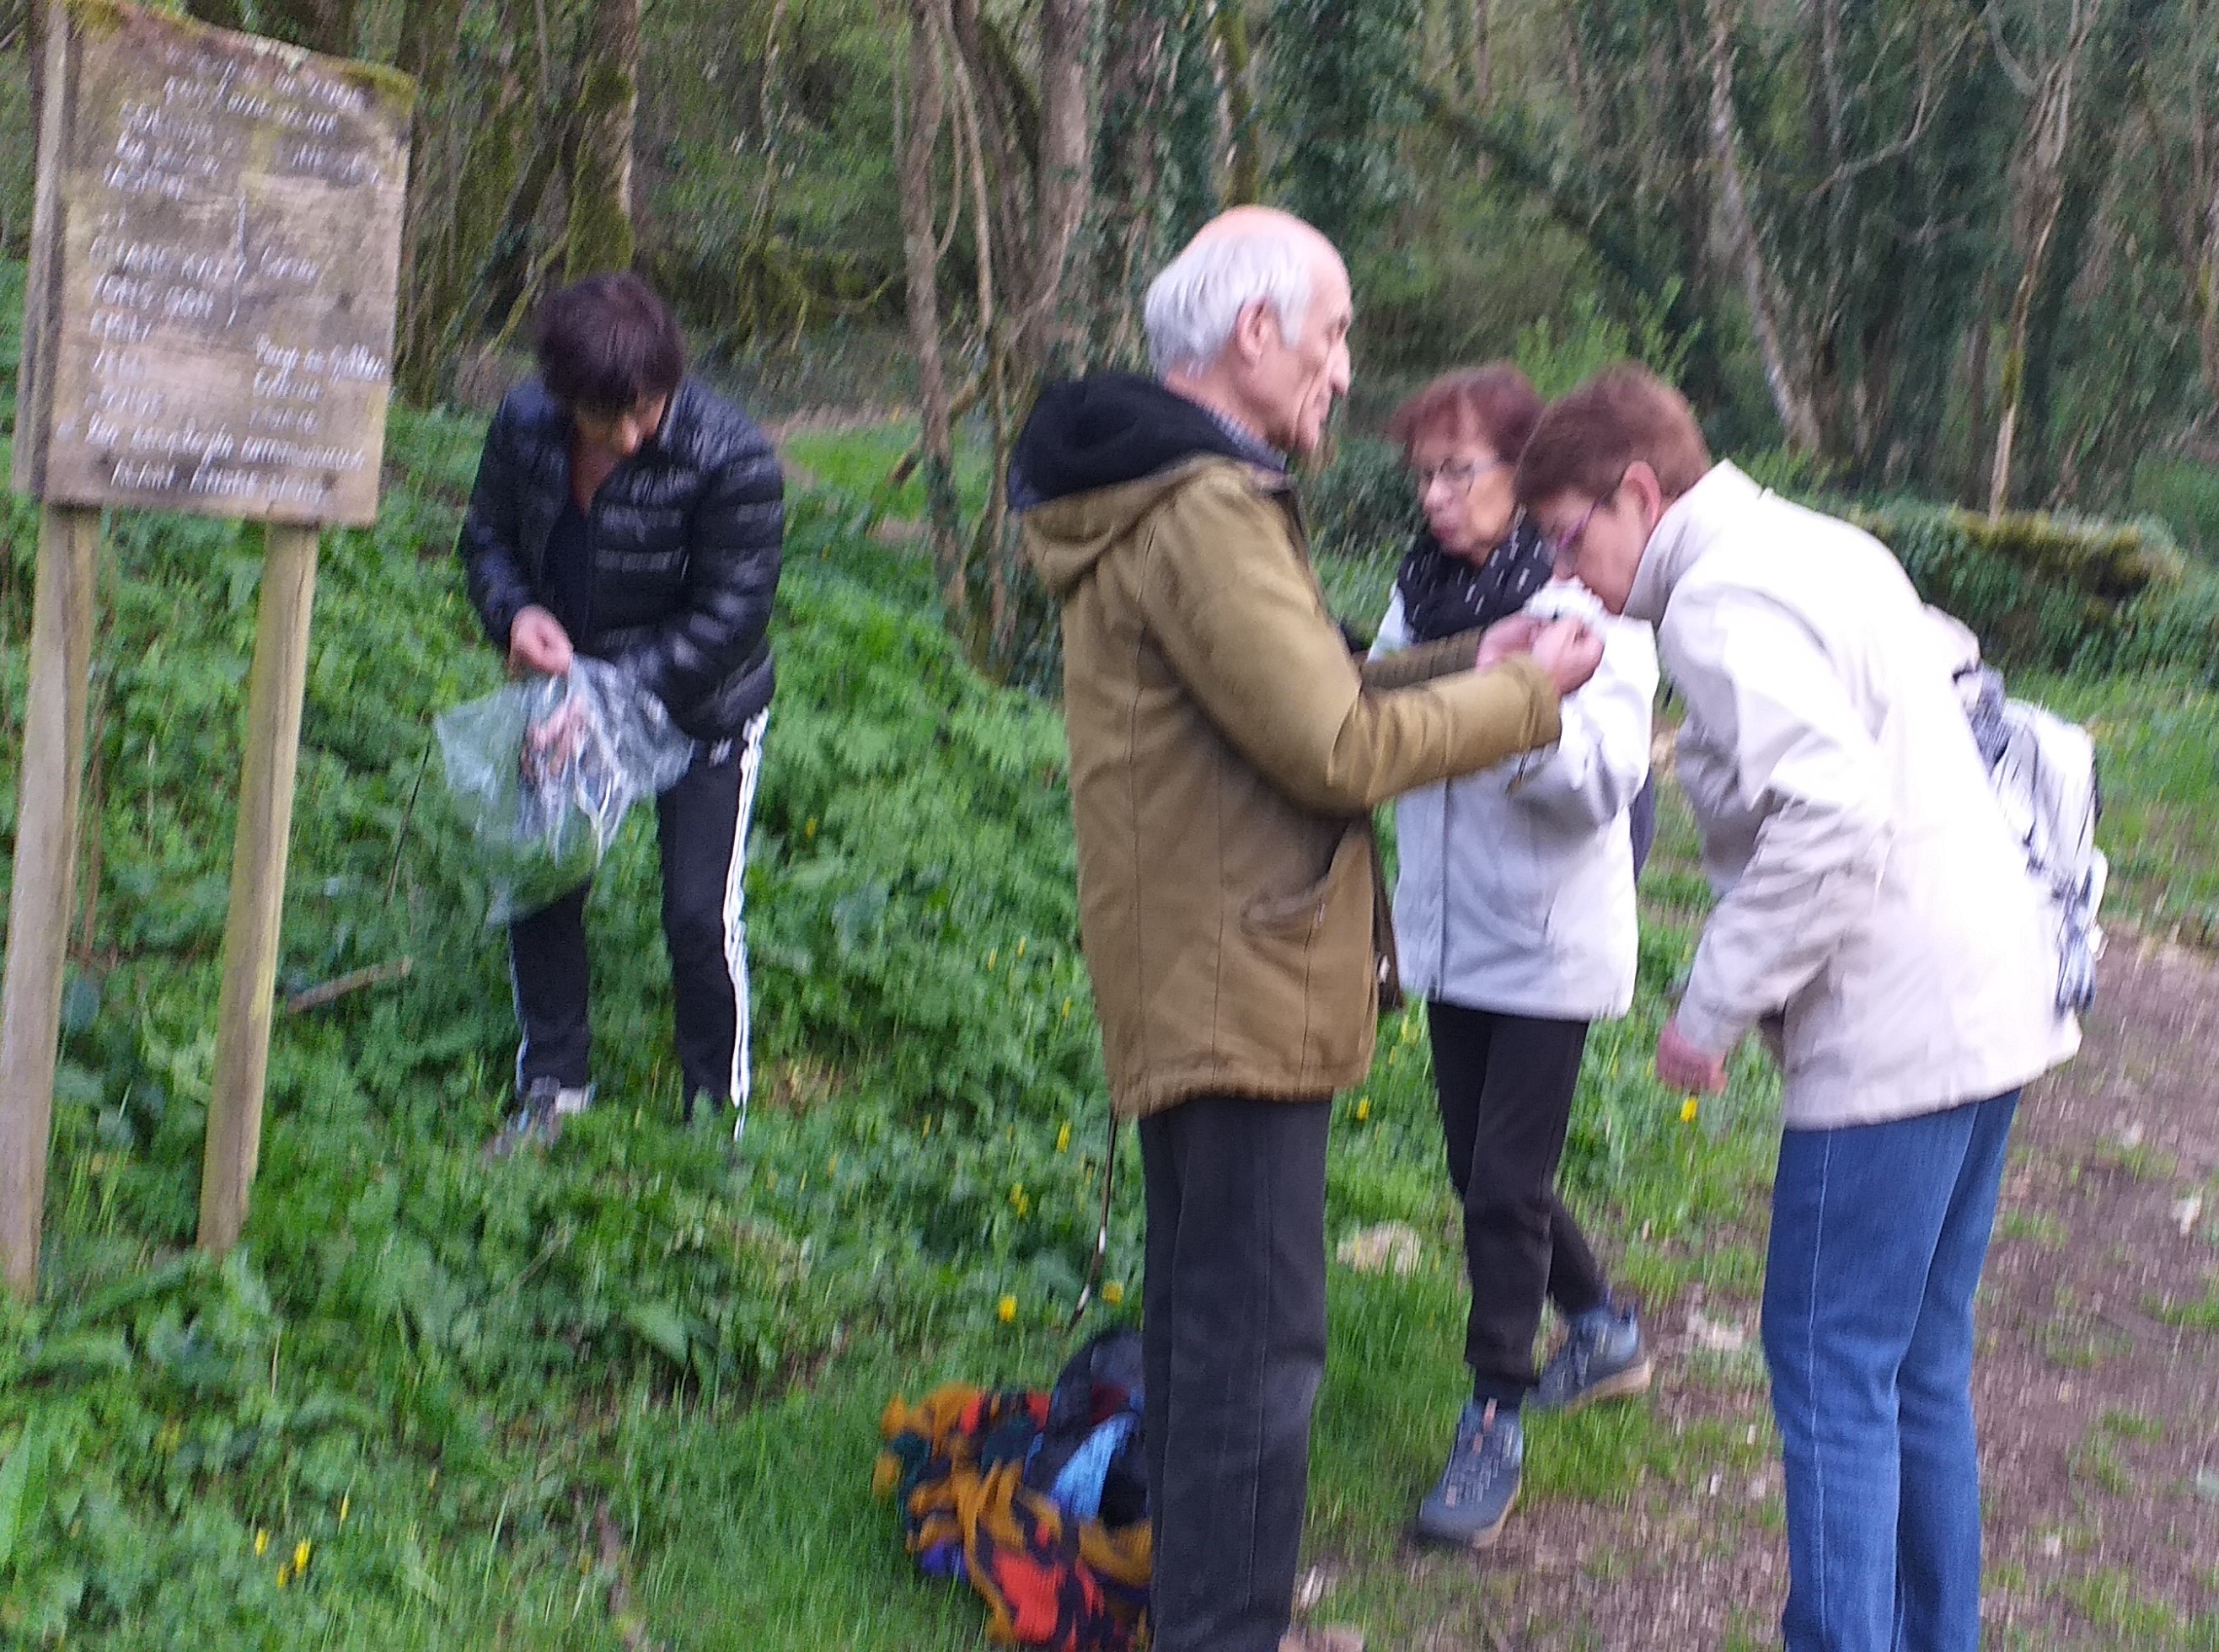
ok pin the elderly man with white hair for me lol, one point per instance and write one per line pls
(1225, 755)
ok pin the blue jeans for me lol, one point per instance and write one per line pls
(1879, 1233)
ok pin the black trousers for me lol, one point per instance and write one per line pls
(1233, 1336)
(1506, 1085)
(701, 824)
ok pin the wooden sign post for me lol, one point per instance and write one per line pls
(45, 875)
(207, 327)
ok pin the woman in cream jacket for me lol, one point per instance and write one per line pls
(1877, 923)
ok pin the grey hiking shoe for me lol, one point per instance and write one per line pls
(1601, 1357)
(538, 1118)
(1476, 1489)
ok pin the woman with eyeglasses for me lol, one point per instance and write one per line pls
(1514, 921)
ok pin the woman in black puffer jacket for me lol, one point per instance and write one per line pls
(626, 512)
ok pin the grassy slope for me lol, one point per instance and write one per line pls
(436, 1375)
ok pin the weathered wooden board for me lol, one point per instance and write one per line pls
(216, 246)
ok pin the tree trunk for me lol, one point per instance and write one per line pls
(1129, 182)
(920, 139)
(2207, 290)
(319, 25)
(1244, 169)
(1799, 417)
(1055, 309)
(2049, 131)
(1482, 51)
(427, 53)
(224, 13)
(605, 112)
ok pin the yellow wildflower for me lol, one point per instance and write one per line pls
(992, 954)
(1113, 1293)
(1687, 1109)
(1066, 1009)
(1021, 945)
(1063, 1138)
(301, 1557)
(1363, 1108)
(808, 827)
(346, 1503)
(284, 1575)
(261, 1544)
(1006, 1310)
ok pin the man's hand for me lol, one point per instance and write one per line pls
(1569, 650)
(1681, 1066)
(1506, 637)
(537, 642)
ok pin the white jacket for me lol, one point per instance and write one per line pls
(1515, 891)
(1870, 896)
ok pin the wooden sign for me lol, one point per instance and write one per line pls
(209, 318)
(208, 326)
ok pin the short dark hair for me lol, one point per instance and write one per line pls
(606, 344)
(1584, 442)
(1496, 403)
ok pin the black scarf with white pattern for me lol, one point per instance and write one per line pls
(1443, 595)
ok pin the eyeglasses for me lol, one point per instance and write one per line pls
(1459, 474)
(1562, 549)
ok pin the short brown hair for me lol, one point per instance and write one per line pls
(1497, 402)
(606, 344)
(1584, 442)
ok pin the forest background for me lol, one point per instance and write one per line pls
(1966, 249)
(1910, 256)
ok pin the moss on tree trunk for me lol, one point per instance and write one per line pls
(599, 238)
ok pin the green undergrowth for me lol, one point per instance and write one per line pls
(413, 1349)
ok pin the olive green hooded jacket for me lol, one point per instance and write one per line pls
(1225, 758)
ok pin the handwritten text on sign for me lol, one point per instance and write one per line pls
(212, 309)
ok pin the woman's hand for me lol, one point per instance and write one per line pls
(537, 642)
(1681, 1066)
(1506, 637)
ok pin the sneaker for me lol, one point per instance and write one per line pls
(538, 1119)
(1476, 1489)
(1601, 1357)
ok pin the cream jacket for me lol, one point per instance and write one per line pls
(1514, 891)
(1874, 910)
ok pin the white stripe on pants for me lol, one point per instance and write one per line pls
(735, 925)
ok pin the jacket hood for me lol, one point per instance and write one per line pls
(1095, 455)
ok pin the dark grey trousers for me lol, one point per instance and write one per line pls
(1234, 1343)
(701, 823)
(1505, 1085)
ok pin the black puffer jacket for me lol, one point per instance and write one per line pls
(686, 534)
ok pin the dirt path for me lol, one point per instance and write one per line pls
(2097, 1387)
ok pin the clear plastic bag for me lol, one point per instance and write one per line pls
(542, 773)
